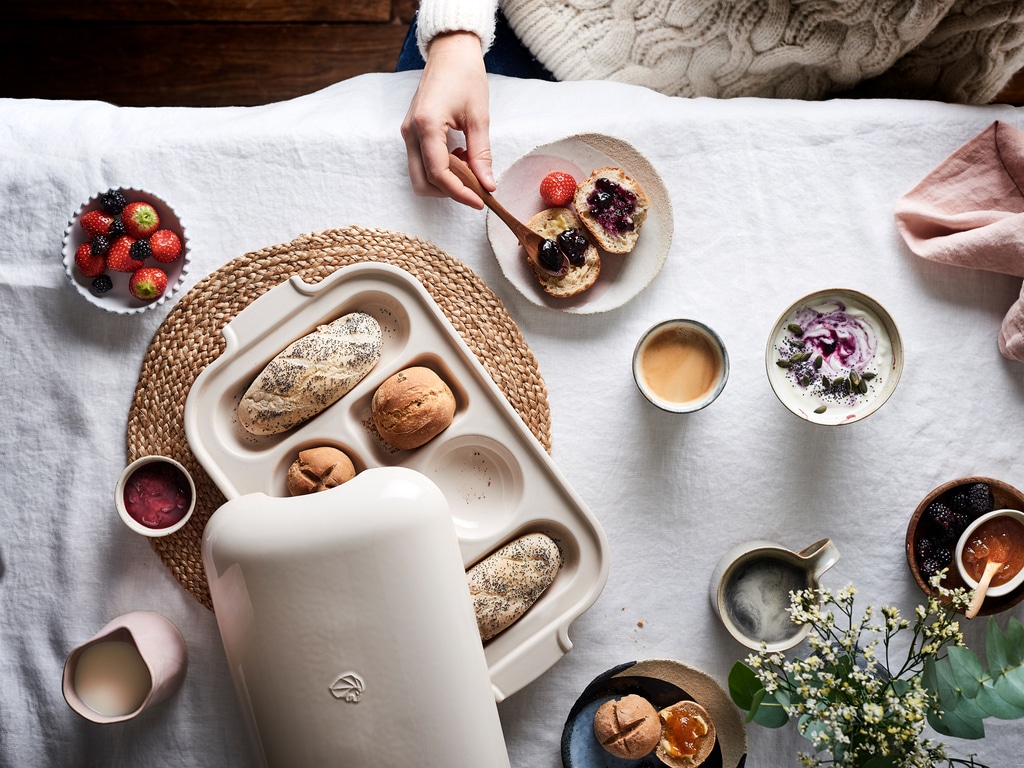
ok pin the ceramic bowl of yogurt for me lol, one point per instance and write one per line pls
(834, 357)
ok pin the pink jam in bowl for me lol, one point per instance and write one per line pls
(157, 495)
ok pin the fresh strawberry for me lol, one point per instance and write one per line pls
(119, 257)
(88, 263)
(166, 246)
(95, 223)
(148, 283)
(557, 189)
(140, 220)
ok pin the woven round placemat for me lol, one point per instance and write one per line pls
(189, 339)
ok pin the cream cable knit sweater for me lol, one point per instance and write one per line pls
(953, 50)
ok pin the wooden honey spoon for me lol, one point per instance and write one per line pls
(542, 252)
(991, 568)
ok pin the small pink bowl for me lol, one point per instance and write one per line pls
(124, 481)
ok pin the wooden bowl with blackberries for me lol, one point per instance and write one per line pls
(940, 519)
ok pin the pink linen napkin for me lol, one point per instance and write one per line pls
(970, 212)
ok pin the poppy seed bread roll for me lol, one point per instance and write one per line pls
(412, 407)
(311, 374)
(508, 581)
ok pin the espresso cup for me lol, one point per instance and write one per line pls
(750, 590)
(680, 366)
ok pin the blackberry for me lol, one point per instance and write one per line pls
(958, 500)
(100, 245)
(942, 522)
(940, 558)
(102, 284)
(141, 250)
(113, 201)
(925, 548)
(980, 499)
(116, 229)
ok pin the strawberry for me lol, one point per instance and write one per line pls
(148, 283)
(140, 220)
(557, 189)
(88, 263)
(119, 257)
(95, 223)
(165, 245)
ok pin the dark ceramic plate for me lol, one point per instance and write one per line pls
(662, 682)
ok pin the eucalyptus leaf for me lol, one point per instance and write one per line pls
(743, 684)
(881, 761)
(1009, 686)
(967, 670)
(995, 705)
(997, 648)
(957, 724)
(1015, 638)
(769, 712)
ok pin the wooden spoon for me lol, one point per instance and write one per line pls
(530, 240)
(991, 567)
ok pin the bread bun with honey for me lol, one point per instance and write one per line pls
(613, 207)
(550, 223)
(628, 727)
(412, 407)
(318, 469)
(687, 735)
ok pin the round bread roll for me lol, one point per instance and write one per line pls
(412, 407)
(628, 727)
(550, 223)
(687, 735)
(617, 227)
(318, 469)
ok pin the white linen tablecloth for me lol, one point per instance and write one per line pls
(772, 200)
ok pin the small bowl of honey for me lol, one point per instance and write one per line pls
(997, 536)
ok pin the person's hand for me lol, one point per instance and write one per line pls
(452, 94)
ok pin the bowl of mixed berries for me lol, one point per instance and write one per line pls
(125, 251)
(941, 519)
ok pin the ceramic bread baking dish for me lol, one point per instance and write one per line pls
(496, 477)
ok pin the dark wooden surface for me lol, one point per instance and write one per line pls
(205, 52)
(194, 52)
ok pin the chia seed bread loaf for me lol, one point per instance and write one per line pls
(550, 223)
(613, 221)
(412, 407)
(508, 581)
(311, 374)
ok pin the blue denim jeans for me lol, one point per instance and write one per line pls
(507, 56)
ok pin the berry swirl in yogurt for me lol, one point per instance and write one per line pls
(831, 358)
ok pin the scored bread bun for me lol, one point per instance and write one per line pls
(412, 407)
(616, 231)
(550, 223)
(676, 749)
(318, 469)
(628, 727)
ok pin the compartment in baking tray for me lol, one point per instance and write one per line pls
(498, 480)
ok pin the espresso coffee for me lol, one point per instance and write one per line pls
(680, 364)
(757, 599)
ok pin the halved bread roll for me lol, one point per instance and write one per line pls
(687, 735)
(507, 582)
(613, 207)
(550, 223)
(311, 374)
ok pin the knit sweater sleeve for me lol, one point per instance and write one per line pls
(435, 17)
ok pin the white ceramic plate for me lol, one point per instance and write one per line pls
(119, 299)
(622, 276)
(496, 476)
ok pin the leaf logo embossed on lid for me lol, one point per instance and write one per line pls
(349, 686)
